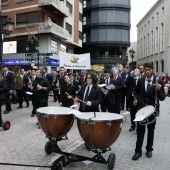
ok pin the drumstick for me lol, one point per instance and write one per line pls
(73, 98)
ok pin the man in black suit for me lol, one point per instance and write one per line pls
(118, 83)
(131, 83)
(107, 95)
(142, 72)
(145, 95)
(21, 93)
(10, 86)
(82, 79)
(90, 93)
(73, 81)
(48, 76)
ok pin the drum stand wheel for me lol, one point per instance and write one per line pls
(111, 160)
(48, 147)
(6, 125)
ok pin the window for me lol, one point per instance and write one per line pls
(142, 30)
(84, 20)
(69, 28)
(157, 16)
(156, 40)
(84, 37)
(156, 63)
(148, 24)
(144, 50)
(80, 35)
(80, 17)
(4, 1)
(148, 44)
(141, 48)
(139, 32)
(4, 20)
(29, 18)
(162, 65)
(152, 42)
(162, 37)
(152, 20)
(145, 27)
(162, 11)
(70, 7)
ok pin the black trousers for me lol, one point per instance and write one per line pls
(39, 102)
(106, 105)
(140, 137)
(133, 110)
(124, 96)
(55, 94)
(0, 113)
(7, 101)
(21, 94)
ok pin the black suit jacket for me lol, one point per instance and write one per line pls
(3, 88)
(95, 97)
(50, 78)
(148, 99)
(10, 80)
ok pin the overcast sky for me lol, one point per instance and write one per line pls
(138, 9)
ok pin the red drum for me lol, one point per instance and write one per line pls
(99, 132)
(55, 121)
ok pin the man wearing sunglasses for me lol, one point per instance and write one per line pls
(145, 95)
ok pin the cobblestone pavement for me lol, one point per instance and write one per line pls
(23, 143)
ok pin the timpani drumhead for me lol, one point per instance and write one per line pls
(54, 110)
(100, 116)
(145, 111)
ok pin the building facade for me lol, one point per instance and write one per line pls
(57, 25)
(153, 37)
(106, 31)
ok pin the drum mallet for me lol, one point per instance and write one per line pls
(73, 98)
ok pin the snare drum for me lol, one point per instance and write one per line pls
(148, 114)
(99, 132)
(55, 121)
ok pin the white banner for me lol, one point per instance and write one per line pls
(75, 61)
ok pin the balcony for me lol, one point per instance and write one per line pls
(57, 6)
(46, 27)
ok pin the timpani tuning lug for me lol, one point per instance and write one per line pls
(83, 122)
(109, 123)
(91, 122)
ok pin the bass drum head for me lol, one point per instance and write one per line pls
(102, 131)
(145, 111)
(55, 121)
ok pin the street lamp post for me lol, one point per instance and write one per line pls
(4, 31)
(33, 45)
(132, 55)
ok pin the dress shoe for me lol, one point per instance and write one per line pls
(19, 107)
(6, 112)
(136, 156)
(131, 129)
(39, 127)
(37, 123)
(149, 154)
(27, 106)
(32, 115)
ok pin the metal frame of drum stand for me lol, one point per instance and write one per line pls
(67, 158)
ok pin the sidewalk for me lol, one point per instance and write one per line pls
(23, 143)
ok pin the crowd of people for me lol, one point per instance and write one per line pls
(130, 90)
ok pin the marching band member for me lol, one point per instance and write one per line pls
(145, 95)
(131, 85)
(54, 87)
(68, 92)
(107, 95)
(90, 94)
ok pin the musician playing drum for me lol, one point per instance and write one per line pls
(90, 94)
(145, 95)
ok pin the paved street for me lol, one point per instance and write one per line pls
(24, 144)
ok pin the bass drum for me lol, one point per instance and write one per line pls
(55, 121)
(99, 132)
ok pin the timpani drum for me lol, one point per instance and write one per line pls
(99, 132)
(55, 121)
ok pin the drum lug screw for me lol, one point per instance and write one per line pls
(91, 122)
(109, 123)
(55, 117)
(83, 122)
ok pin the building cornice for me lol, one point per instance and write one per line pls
(150, 11)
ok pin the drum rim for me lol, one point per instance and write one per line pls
(99, 120)
(63, 114)
(143, 108)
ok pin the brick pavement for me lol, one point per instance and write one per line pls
(24, 143)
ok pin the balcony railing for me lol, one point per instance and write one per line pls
(47, 27)
(57, 4)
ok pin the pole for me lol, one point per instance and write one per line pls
(38, 54)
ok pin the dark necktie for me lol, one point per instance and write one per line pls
(135, 82)
(85, 99)
(148, 86)
(107, 83)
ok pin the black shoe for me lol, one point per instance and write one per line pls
(32, 115)
(149, 154)
(37, 123)
(39, 127)
(27, 106)
(136, 156)
(19, 107)
(131, 129)
(6, 112)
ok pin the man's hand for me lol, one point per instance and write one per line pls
(39, 87)
(11, 91)
(158, 86)
(76, 99)
(69, 97)
(88, 103)
(135, 102)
